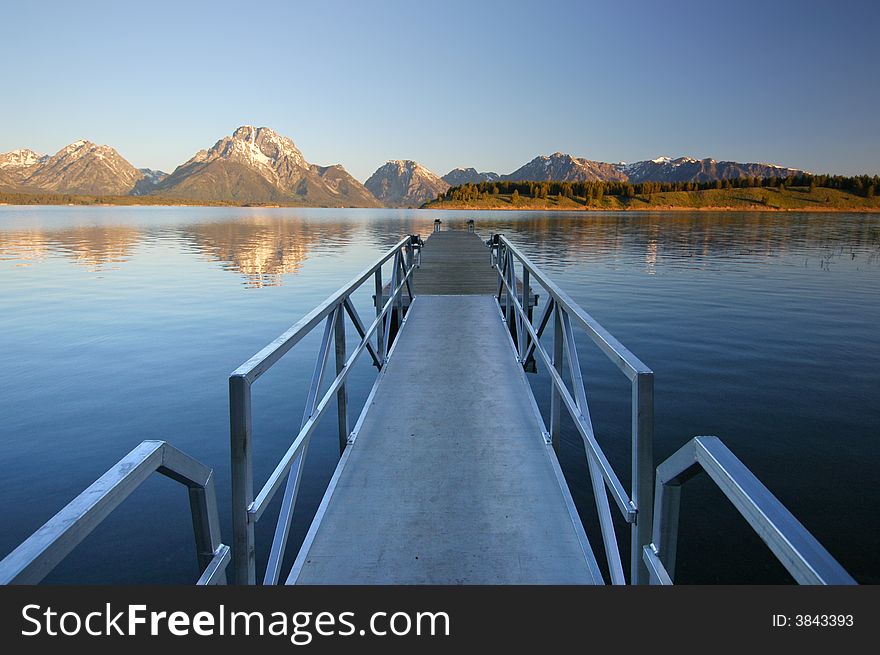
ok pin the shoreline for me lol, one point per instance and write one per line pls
(617, 210)
(674, 208)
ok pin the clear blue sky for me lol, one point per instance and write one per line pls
(484, 84)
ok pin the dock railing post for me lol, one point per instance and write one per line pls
(642, 472)
(526, 299)
(398, 302)
(511, 282)
(341, 395)
(470, 225)
(380, 328)
(437, 223)
(410, 260)
(555, 397)
(241, 433)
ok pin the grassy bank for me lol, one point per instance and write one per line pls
(746, 199)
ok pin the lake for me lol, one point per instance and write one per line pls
(123, 324)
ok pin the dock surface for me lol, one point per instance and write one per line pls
(450, 480)
(455, 263)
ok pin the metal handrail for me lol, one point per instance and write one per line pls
(792, 544)
(40, 553)
(247, 509)
(637, 506)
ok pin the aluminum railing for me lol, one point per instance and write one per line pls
(35, 558)
(798, 550)
(636, 507)
(247, 509)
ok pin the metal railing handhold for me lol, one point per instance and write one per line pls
(636, 507)
(35, 558)
(247, 509)
(792, 544)
(437, 223)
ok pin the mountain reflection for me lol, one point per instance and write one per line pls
(94, 247)
(264, 249)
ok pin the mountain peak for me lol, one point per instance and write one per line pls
(256, 147)
(563, 167)
(405, 183)
(77, 145)
(80, 167)
(459, 176)
(256, 164)
(405, 164)
(21, 158)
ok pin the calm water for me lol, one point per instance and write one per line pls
(122, 324)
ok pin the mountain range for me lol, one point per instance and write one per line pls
(255, 165)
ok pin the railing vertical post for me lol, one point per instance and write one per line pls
(206, 523)
(642, 471)
(341, 395)
(667, 505)
(410, 260)
(555, 396)
(398, 264)
(511, 280)
(499, 266)
(240, 436)
(380, 329)
(526, 297)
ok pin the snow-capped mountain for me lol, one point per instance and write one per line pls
(16, 166)
(21, 158)
(81, 167)
(688, 169)
(459, 176)
(405, 183)
(85, 167)
(256, 164)
(560, 167)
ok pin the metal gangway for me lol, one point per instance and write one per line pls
(449, 473)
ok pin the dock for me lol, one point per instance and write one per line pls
(450, 480)
(458, 263)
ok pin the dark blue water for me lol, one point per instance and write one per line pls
(122, 324)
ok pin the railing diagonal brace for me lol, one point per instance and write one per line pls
(291, 491)
(361, 330)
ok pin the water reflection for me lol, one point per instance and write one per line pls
(96, 248)
(266, 248)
